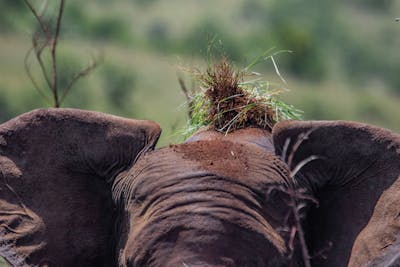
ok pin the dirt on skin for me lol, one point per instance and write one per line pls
(231, 107)
(231, 157)
(225, 157)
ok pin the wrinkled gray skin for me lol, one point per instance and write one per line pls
(95, 195)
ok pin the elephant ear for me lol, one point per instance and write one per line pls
(56, 171)
(347, 167)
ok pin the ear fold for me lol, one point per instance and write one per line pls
(346, 166)
(56, 166)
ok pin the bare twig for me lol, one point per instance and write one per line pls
(302, 137)
(296, 202)
(43, 8)
(29, 73)
(82, 73)
(38, 49)
(301, 164)
(53, 47)
(294, 197)
(50, 41)
(38, 17)
(297, 198)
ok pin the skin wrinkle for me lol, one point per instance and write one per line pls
(151, 168)
(161, 197)
(123, 185)
(206, 177)
(8, 241)
(220, 212)
(350, 178)
(362, 175)
(12, 220)
(205, 203)
(155, 186)
(190, 189)
(199, 186)
(155, 231)
(203, 233)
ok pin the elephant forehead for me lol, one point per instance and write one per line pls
(230, 159)
(202, 194)
(233, 166)
(219, 157)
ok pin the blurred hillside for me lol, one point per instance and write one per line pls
(345, 62)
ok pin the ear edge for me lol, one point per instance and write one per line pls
(294, 128)
(337, 144)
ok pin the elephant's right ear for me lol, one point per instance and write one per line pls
(56, 169)
(347, 166)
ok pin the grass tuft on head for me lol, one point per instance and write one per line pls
(231, 99)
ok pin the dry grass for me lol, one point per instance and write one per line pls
(231, 99)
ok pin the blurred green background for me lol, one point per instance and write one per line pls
(345, 62)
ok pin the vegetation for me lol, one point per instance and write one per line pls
(344, 64)
(230, 99)
(48, 37)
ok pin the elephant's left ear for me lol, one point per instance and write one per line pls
(347, 167)
(336, 152)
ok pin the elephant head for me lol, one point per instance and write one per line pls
(99, 192)
(56, 167)
(205, 202)
(211, 200)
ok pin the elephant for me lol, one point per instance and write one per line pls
(84, 188)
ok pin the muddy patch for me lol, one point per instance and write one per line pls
(218, 156)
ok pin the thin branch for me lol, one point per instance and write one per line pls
(53, 48)
(285, 149)
(296, 203)
(302, 137)
(43, 8)
(301, 164)
(29, 73)
(38, 54)
(300, 233)
(50, 41)
(38, 17)
(58, 26)
(82, 73)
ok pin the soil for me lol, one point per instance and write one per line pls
(223, 157)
